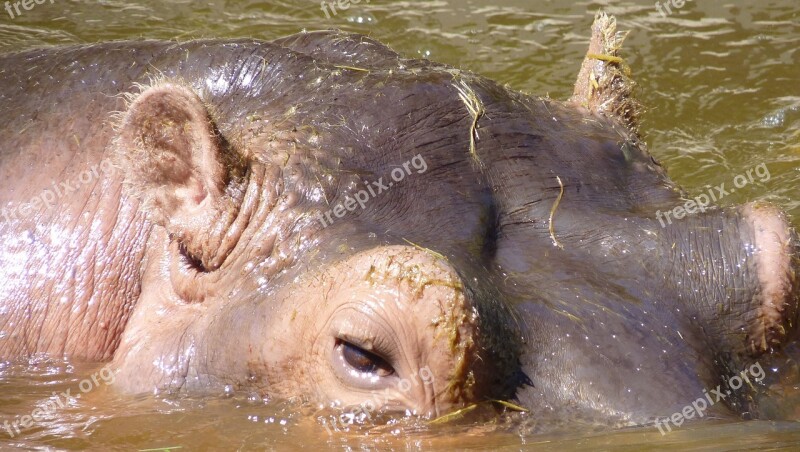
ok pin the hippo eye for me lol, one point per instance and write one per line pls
(363, 361)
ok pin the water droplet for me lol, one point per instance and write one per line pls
(774, 120)
(363, 18)
(228, 392)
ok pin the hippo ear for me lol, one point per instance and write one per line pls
(178, 163)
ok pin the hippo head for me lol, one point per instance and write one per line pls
(252, 288)
(332, 221)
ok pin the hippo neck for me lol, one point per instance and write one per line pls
(71, 270)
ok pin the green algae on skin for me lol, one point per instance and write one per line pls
(476, 110)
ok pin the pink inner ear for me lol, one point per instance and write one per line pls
(168, 141)
(197, 192)
(200, 196)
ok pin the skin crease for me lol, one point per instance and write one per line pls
(200, 262)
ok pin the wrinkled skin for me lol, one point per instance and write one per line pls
(200, 260)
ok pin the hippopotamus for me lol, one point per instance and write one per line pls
(319, 217)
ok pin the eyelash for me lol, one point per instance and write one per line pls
(378, 363)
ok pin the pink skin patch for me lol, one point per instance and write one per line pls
(775, 242)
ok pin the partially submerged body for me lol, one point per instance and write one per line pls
(208, 227)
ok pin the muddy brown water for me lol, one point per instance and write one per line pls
(721, 83)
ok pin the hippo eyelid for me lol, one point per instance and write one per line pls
(362, 360)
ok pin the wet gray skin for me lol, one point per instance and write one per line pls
(519, 257)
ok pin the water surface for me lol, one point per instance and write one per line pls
(721, 83)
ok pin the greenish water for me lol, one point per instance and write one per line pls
(721, 83)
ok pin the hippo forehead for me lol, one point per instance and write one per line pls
(335, 114)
